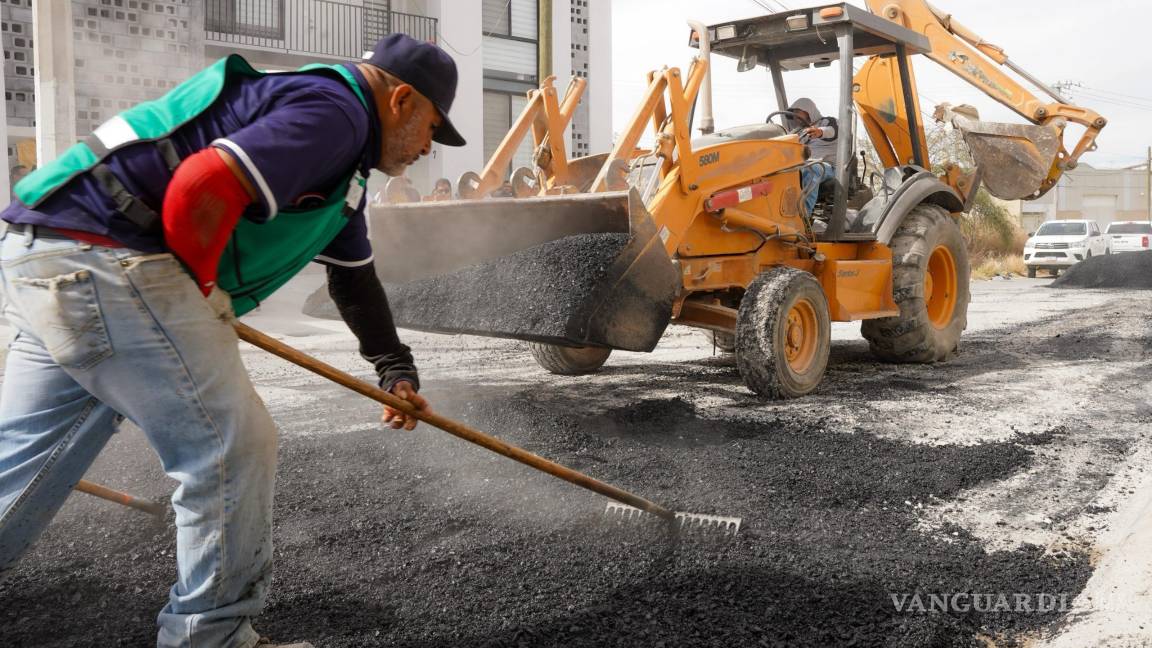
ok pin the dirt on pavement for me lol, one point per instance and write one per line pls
(1132, 270)
(989, 474)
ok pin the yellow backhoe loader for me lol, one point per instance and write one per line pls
(712, 231)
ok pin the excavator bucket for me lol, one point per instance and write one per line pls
(579, 270)
(1016, 158)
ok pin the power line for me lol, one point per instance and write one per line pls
(1118, 94)
(1117, 102)
(763, 6)
(504, 12)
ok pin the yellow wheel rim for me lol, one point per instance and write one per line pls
(940, 287)
(801, 336)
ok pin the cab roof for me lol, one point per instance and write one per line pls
(800, 38)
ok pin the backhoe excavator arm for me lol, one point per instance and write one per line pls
(1038, 156)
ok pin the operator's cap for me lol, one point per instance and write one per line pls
(425, 67)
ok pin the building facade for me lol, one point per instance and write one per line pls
(127, 51)
(1102, 195)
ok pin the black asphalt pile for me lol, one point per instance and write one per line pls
(1131, 270)
(535, 292)
(422, 540)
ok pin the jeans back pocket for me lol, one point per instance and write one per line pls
(64, 313)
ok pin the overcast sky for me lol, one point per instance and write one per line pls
(1104, 46)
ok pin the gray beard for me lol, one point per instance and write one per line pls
(391, 149)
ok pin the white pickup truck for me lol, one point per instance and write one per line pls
(1062, 244)
(1129, 236)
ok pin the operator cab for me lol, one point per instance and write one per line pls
(818, 37)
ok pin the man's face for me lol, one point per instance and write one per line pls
(802, 115)
(409, 121)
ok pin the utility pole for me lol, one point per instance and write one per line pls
(1148, 186)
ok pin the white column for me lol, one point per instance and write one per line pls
(460, 35)
(600, 75)
(55, 73)
(5, 188)
(562, 54)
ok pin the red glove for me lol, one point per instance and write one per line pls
(202, 205)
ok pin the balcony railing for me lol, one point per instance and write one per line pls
(317, 27)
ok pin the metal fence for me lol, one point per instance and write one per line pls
(322, 27)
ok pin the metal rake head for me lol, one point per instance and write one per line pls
(726, 525)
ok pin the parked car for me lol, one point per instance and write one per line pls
(1129, 236)
(1062, 244)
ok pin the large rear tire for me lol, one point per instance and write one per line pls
(930, 278)
(569, 361)
(783, 333)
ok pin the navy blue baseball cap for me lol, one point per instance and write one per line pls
(425, 67)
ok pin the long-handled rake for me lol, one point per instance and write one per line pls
(630, 506)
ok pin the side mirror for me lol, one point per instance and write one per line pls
(1031, 234)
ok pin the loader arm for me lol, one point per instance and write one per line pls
(546, 116)
(1014, 158)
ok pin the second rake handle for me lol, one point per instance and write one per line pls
(276, 347)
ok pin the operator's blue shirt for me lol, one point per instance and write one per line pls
(296, 137)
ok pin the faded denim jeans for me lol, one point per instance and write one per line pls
(810, 179)
(108, 332)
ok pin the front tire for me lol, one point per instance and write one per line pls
(783, 333)
(930, 277)
(569, 361)
(1031, 272)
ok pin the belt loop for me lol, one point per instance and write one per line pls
(29, 235)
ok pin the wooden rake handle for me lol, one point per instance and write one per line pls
(103, 492)
(276, 347)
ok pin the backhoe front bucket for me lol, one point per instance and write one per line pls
(579, 270)
(1016, 158)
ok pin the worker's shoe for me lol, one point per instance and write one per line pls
(265, 642)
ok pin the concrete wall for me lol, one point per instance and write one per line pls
(599, 133)
(1104, 195)
(131, 51)
(461, 38)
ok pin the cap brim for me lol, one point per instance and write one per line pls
(447, 134)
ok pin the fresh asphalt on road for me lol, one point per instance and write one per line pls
(1012, 469)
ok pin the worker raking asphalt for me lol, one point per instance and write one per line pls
(420, 540)
(1124, 270)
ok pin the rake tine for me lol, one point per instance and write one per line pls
(727, 525)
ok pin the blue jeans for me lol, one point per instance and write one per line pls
(810, 179)
(104, 333)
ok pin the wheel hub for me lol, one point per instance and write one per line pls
(940, 287)
(801, 333)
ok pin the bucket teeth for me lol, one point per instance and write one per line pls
(727, 525)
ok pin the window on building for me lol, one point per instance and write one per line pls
(497, 17)
(500, 108)
(260, 18)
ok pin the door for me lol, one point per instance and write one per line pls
(1095, 239)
